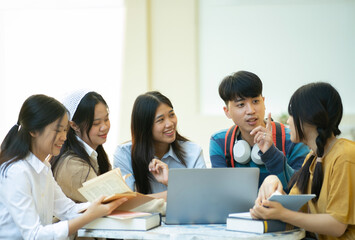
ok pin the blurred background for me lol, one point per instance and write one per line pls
(183, 48)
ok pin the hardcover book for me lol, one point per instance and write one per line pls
(125, 220)
(243, 222)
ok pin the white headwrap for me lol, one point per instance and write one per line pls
(72, 100)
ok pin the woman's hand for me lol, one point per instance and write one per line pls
(95, 210)
(267, 210)
(321, 223)
(160, 171)
(270, 185)
(98, 209)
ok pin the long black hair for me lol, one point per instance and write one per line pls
(37, 112)
(84, 118)
(318, 104)
(142, 120)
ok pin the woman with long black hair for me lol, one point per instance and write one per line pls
(83, 156)
(156, 146)
(29, 195)
(315, 113)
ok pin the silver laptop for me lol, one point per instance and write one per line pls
(208, 195)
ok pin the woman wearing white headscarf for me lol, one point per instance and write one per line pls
(82, 156)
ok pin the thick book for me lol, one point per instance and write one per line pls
(113, 185)
(138, 221)
(243, 222)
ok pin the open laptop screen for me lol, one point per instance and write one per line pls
(208, 195)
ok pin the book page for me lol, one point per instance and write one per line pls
(117, 214)
(106, 184)
(245, 215)
(114, 174)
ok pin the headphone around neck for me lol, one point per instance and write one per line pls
(242, 153)
(237, 151)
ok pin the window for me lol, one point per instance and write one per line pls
(54, 47)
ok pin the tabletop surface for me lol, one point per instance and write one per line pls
(203, 231)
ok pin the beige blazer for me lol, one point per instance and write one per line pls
(72, 172)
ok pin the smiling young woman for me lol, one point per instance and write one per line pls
(29, 195)
(83, 156)
(156, 146)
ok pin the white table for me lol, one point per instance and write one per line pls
(175, 232)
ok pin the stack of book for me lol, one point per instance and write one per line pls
(113, 185)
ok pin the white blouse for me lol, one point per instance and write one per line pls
(29, 198)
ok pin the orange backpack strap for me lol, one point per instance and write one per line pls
(279, 136)
(228, 145)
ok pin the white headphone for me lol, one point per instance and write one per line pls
(243, 153)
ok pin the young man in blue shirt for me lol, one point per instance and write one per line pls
(244, 104)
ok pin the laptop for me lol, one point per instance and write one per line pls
(208, 195)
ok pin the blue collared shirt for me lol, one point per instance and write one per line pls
(193, 159)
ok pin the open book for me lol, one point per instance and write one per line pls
(113, 185)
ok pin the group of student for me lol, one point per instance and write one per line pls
(55, 147)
